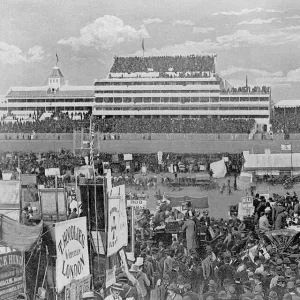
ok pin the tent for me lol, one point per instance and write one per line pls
(18, 236)
(272, 162)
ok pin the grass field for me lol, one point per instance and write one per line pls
(152, 146)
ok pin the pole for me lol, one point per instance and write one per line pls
(132, 229)
(105, 198)
(97, 229)
(37, 274)
(56, 199)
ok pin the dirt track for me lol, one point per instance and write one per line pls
(152, 146)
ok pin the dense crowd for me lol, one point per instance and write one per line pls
(190, 63)
(57, 123)
(66, 162)
(286, 120)
(65, 123)
(169, 125)
(212, 259)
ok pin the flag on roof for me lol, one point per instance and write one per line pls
(143, 45)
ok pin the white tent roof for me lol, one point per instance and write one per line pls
(275, 161)
(288, 103)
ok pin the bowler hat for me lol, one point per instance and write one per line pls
(211, 283)
(173, 287)
(273, 295)
(117, 287)
(222, 295)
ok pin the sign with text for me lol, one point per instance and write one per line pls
(247, 199)
(244, 211)
(11, 275)
(137, 203)
(117, 220)
(75, 290)
(72, 262)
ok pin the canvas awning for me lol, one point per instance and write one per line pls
(273, 161)
(18, 236)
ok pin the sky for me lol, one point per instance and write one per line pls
(259, 39)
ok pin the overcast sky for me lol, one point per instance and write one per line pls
(257, 38)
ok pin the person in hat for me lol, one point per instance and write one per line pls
(247, 291)
(232, 292)
(291, 289)
(180, 284)
(226, 271)
(273, 296)
(168, 262)
(187, 288)
(280, 221)
(222, 296)
(258, 290)
(280, 287)
(237, 284)
(142, 278)
(115, 291)
(287, 296)
(208, 267)
(190, 230)
(21, 296)
(174, 272)
(173, 292)
(212, 290)
(129, 291)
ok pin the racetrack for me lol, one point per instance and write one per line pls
(152, 146)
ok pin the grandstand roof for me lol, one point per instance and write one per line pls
(288, 103)
(44, 92)
(193, 63)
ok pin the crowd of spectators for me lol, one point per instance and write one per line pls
(65, 123)
(169, 125)
(286, 120)
(192, 63)
(248, 89)
(57, 123)
(212, 259)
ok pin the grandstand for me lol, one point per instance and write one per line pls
(286, 117)
(176, 87)
(55, 95)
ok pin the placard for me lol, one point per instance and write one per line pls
(137, 203)
(127, 156)
(72, 260)
(11, 275)
(52, 172)
(75, 290)
(244, 212)
(247, 199)
(159, 157)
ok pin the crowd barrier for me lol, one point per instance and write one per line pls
(37, 136)
(146, 136)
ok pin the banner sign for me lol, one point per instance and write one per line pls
(75, 290)
(245, 210)
(11, 275)
(117, 235)
(72, 262)
(137, 203)
(286, 147)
